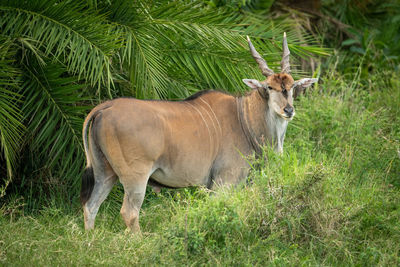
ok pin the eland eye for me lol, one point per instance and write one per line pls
(284, 92)
(269, 87)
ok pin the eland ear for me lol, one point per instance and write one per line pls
(301, 84)
(254, 84)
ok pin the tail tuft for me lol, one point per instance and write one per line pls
(87, 185)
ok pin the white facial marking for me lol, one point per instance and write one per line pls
(277, 128)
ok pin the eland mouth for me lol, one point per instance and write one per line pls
(287, 117)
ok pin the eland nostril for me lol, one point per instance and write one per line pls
(288, 110)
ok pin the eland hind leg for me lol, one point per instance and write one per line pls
(134, 184)
(104, 179)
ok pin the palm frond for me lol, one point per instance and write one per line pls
(11, 128)
(164, 42)
(54, 117)
(67, 31)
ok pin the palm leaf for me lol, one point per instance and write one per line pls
(174, 48)
(67, 31)
(11, 128)
(54, 118)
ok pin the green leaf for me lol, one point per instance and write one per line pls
(54, 115)
(349, 42)
(66, 31)
(11, 128)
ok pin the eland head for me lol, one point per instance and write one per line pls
(278, 88)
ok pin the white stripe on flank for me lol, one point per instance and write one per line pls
(219, 126)
(209, 132)
(211, 119)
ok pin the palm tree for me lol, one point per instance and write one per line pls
(59, 57)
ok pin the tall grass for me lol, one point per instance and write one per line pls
(332, 198)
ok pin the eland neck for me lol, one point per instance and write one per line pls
(260, 123)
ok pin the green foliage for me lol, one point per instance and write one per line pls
(330, 199)
(59, 58)
(11, 128)
(373, 31)
(62, 29)
(53, 116)
(254, 5)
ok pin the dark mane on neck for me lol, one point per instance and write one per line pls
(204, 92)
(198, 94)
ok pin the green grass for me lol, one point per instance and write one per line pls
(332, 198)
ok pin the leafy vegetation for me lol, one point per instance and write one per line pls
(332, 198)
(63, 57)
